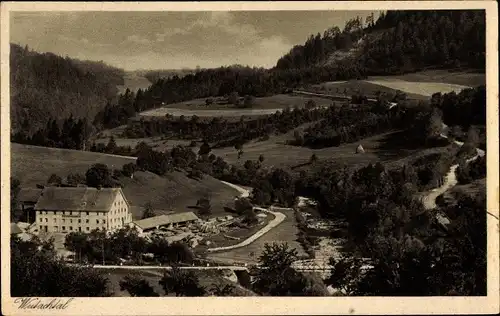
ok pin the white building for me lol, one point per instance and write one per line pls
(81, 209)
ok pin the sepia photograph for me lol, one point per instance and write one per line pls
(200, 151)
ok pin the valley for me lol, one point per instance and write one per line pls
(354, 166)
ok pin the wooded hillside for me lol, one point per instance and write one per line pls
(398, 42)
(44, 86)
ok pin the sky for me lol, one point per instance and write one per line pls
(173, 40)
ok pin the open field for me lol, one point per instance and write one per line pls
(421, 88)
(277, 154)
(263, 106)
(378, 148)
(464, 78)
(174, 192)
(364, 87)
(285, 232)
(33, 164)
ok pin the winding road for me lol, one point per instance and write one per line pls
(429, 200)
(278, 218)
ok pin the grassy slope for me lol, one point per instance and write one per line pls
(352, 87)
(176, 192)
(33, 165)
(464, 78)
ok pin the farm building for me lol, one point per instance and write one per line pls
(65, 210)
(20, 230)
(27, 198)
(171, 220)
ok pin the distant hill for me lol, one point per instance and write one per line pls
(398, 42)
(154, 75)
(44, 86)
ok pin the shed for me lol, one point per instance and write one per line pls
(360, 149)
(165, 220)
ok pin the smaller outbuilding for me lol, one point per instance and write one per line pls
(169, 221)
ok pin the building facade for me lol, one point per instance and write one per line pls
(66, 210)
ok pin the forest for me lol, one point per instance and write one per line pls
(40, 93)
(45, 86)
(399, 42)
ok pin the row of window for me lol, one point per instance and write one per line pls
(121, 210)
(71, 220)
(69, 213)
(86, 221)
(63, 228)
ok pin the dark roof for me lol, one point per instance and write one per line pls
(161, 220)
(77, 199)
(29, 195)
(14, 229)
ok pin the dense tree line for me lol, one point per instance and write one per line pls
(72, 134)
(44, 86)
(400, 41)
(463, 109)
(36, 271)
(99, 246)
(221, 132)
(411, 40)
(223, 81)
(454, 264)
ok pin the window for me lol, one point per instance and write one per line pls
(46, 212)
(88, 228)
(71, 220)
(104, 221)
(86, 221)
(97, 221)
(64, 228)
(41, 219)
(55, 220)
(70, 212)
(55, 228)
(79, 229)
(63, 220)
(46, 220)
(71, 228)
(87, 213)
(54, 212)
(41, 227)
(79, 221)
(64, 213)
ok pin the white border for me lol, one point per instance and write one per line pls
(268, 305)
